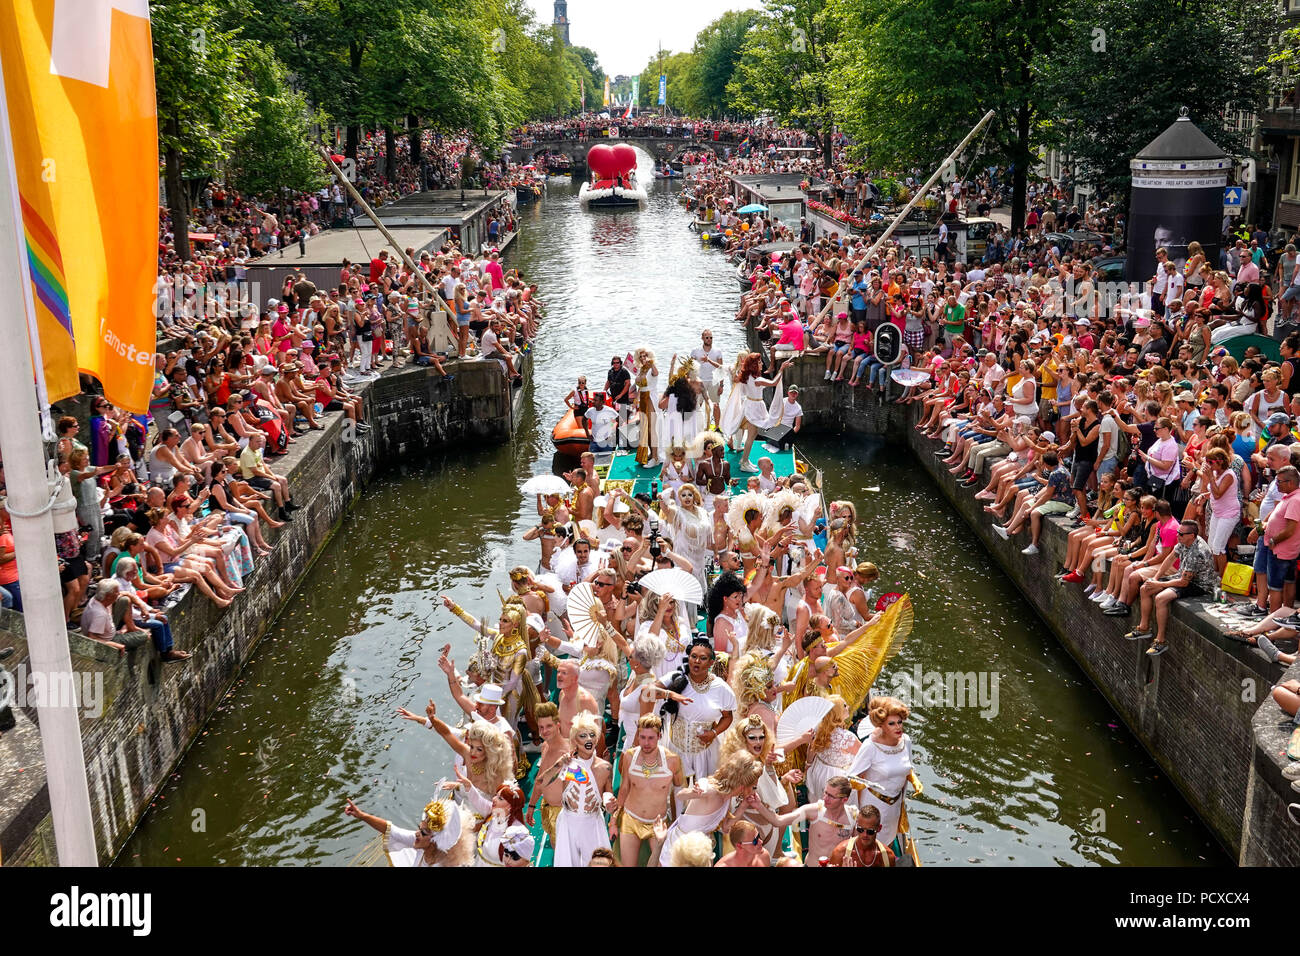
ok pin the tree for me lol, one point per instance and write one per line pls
(276, 150)
(717, 51)
(785, 67)
(1110, 90)
(908, 93)
(682, 90)
(203, 100)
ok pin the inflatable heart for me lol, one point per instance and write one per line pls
(624, 158)
(600, 160)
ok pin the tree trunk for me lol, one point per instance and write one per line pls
(390, 154)
(353, 139)
(177, 204)
(416, 139)
(1020, 177)
(828, 147)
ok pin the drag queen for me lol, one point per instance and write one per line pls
(647, 400)
(746, 409)
(884, 763)
(690, 528)
(507, 811)
(708, 801)
(696, 726)
(681, 405)
(833, 747)
(580, 828)
(503, 656)
(443, 839)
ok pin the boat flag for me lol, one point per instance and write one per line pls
(627, 113)
(606, 101)
(82, 125)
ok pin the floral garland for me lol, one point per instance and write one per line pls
(839, 215)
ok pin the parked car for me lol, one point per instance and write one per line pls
(1111, 268)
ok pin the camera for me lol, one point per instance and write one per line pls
(633, 587)
(656, 548)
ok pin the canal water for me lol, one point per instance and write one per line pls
(1022, 760)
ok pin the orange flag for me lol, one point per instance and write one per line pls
(79, 91)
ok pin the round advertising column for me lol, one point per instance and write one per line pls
(1178, 182)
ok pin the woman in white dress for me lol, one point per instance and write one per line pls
(884, 763)
(696, 726)
(746, 409)
(833, 746)
(752, 735)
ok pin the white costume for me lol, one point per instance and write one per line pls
(746, 405)
(675, 646)
(691, 823)
(693, 719)
(692, 534)
(680, 428)
(831, 761)
(885, 769)
(487, 849)
(580, 827)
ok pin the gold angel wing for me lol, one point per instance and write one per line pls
(372, 854)
(862, 663)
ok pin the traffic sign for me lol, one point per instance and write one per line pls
(1234, 199)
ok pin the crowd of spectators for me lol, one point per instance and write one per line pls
(189, 495)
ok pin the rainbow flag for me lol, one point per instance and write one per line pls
(574, 773)
(83, 130)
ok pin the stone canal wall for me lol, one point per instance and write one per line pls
(139, 716)
(1202, 710)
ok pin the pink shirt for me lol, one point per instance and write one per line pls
(1288, 509)
(791, 335)
(1169, 534)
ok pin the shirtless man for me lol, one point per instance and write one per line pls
(749, 849)
(713, 473)
(649, 772)
(475, 708)
(574, 699)
(555, 753)
(863, 849)
(290, 393)
(544, 531)
(829, 823)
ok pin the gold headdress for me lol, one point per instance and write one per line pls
(755, 677)
(435, 816)
(684, 371)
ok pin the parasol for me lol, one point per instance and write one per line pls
(800, 717)
(545, 485)
(752, 207)
(909, 376)
(582, 604)
(684, 587)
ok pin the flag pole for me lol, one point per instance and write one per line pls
(29, 504)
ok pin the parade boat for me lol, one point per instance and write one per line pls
(613, 183)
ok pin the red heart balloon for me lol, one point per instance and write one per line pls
(624, 158)
(600, 160)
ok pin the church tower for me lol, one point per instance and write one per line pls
(562, 20)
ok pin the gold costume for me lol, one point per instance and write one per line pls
(637, 827)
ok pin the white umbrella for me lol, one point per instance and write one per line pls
(582, 604)
(909, 376)
(684, 587)
(800, 717)
(545, 485)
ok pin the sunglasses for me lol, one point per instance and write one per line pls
(869, 830)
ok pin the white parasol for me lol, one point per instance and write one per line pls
(799, 718)
(582, 604)
(545, 485)
(909, 376)
(684, 587)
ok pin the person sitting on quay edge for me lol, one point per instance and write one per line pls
(1054, 498)
(1196, 576)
